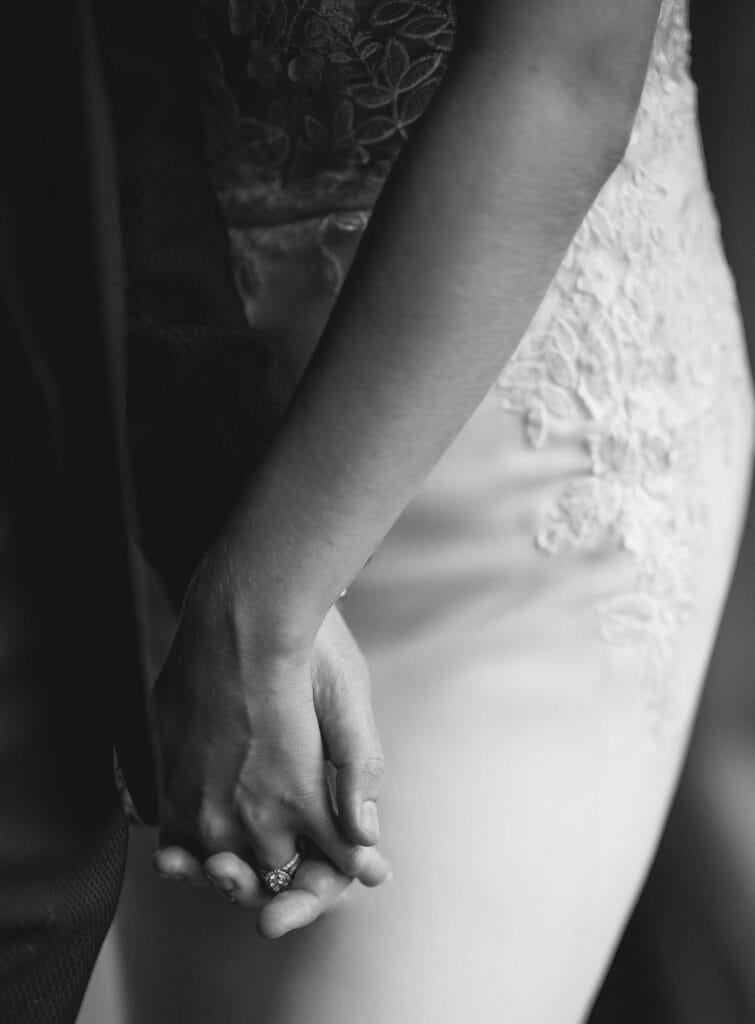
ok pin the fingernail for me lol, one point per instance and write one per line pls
(368, 819)
(224, 885)
(178, 877)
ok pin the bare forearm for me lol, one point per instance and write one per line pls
(461, 249)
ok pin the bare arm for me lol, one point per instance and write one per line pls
(532, 118)
(533, 115)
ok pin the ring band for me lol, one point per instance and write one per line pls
(279, 879)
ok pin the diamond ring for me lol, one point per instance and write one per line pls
(279, 879)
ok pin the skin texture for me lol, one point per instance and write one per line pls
(323, 701)
(531, 119)
(475, 219)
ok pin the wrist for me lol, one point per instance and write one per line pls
(260, 623)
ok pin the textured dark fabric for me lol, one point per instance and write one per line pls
(202, 389)
(69, 650)
(48, 951)
(71, 635)
(61, 286)
(62, 831)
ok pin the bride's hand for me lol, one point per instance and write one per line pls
(316, 889)
(242, 724)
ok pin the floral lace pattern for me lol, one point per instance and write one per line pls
(329, 91)
(631, 353)
(309, 102)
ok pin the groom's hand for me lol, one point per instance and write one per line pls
(341, 698)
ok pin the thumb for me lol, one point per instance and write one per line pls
(347, 724)
(358, 784)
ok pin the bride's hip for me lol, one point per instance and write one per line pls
(552, 561)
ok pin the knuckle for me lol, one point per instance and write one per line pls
(254, 824)
(373, 770)
(261, 819)
(213, 828)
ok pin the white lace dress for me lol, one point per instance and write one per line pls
(538, 622)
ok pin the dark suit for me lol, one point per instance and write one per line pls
(89, 108)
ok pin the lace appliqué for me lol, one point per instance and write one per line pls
(308, 104)
(311, 105)
(624, 355)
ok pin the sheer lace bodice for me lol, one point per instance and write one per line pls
(313, 101)
(635, 355)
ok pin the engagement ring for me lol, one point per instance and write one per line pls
(279, 879)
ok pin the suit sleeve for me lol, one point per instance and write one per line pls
(202, 389)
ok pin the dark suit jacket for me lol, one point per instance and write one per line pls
(116, 297)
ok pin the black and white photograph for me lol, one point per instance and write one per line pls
(377, 542)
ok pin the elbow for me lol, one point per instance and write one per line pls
(593, 111)
(594, 125)
(594, 79)
(606, 115)
(616, 111)
(617, 122)
(607, 88)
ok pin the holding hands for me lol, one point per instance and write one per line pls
(246, 725)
